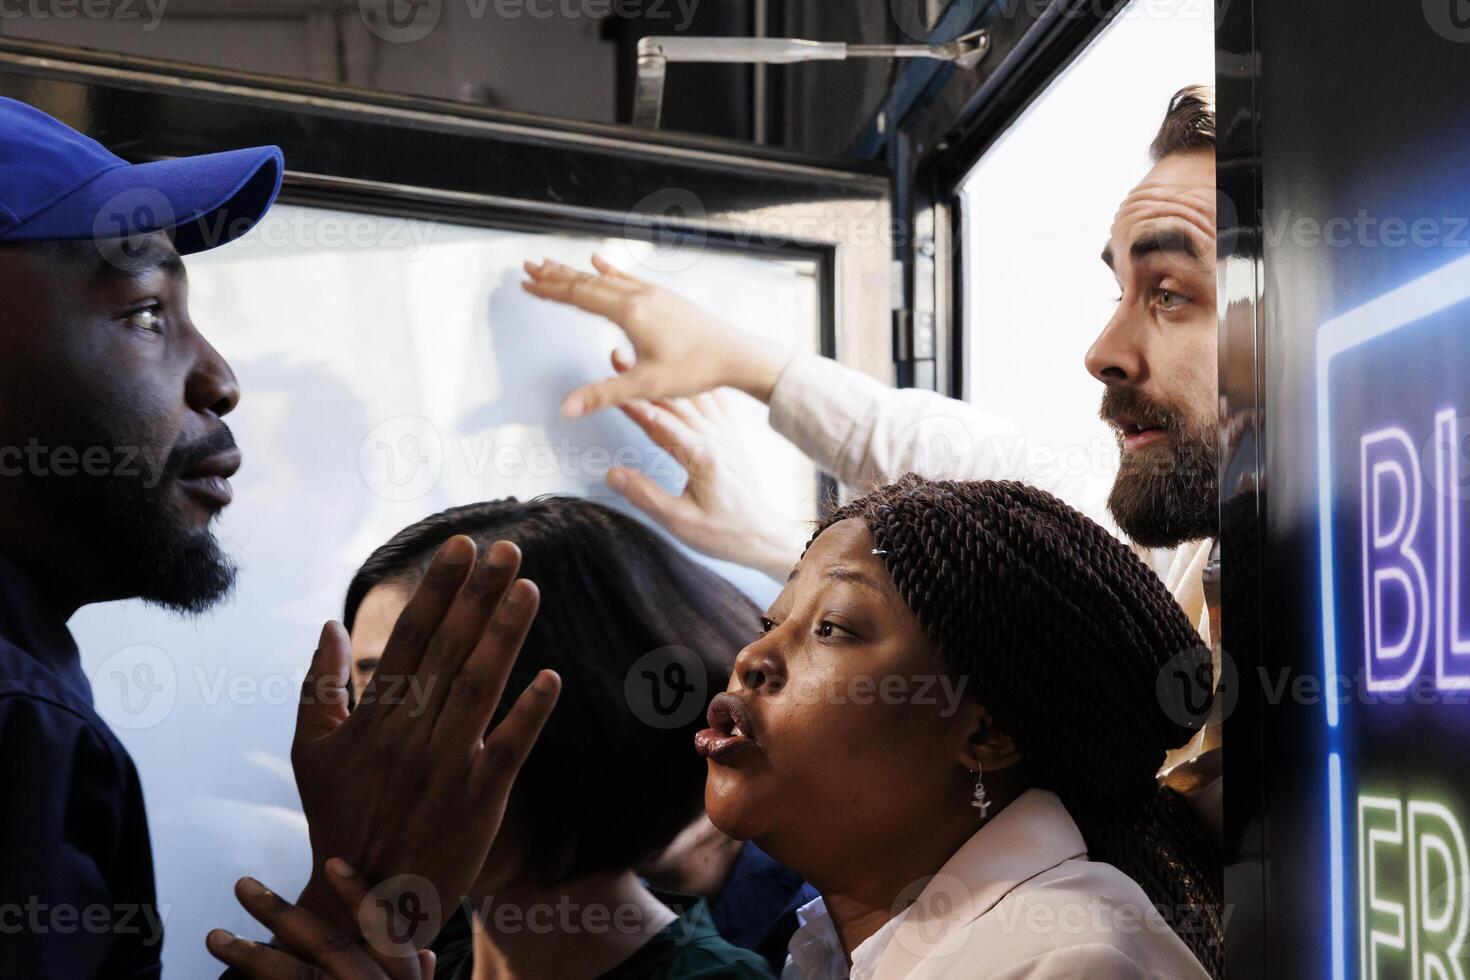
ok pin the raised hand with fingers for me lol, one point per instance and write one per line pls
(681, 349)
(723, 511)
(411, 786)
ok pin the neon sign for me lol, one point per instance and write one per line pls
(1396, 577)
(1414, 891)
(1393, 488)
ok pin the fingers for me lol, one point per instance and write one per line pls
(464, 624)
(508, 745)
(603, 295)
(323, 703)
(643, 492)
(617, 390)
(349, 884)
(475, 691)
(668, 431)
(256, 960)
(710, 405)
(420, 618)
(377, 923)
(622, 362)
(668, 428)
(605, 267)
(724, 401)
(686, 410)
(335, 952)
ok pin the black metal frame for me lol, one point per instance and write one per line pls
(447, 160)
(1241, 284)
(1035, 58)
(933, 149)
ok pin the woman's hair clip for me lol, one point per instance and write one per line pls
(879, 551)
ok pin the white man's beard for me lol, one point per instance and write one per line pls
(1167, 493)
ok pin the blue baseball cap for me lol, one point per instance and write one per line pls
(56, 184)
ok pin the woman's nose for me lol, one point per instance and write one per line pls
(759, 668)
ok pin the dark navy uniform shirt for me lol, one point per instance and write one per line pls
(757, 907)
(76, 868)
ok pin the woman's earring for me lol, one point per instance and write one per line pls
(980, 801)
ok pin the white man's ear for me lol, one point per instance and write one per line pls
(986, 748)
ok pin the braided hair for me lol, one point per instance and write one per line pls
(1063, 632)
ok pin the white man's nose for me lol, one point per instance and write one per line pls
(1116, 356)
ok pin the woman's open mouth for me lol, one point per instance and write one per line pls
(730, 732)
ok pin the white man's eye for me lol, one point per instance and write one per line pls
(146, 319)
(767, 625)
(1169, 299)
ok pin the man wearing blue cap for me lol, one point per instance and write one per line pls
(115, 460)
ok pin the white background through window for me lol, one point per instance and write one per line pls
(1038, 207)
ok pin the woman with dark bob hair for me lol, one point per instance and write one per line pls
(950, 727)
(611, 779)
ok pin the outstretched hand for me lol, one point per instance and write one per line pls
(410, 787)
(680, 348)
(723, 511)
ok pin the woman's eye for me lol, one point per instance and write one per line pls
(826, 628)
(148, 318)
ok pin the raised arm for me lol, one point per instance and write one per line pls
(858, 429)
(866, 433)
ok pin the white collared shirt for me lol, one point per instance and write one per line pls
(1018, 901)
(815, 951)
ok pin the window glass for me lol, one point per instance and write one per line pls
(1038, 207)
(389, 368)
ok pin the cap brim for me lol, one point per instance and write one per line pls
(206, 200)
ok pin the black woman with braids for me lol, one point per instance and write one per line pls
(1014, 833)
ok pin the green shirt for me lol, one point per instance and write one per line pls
(688, 948)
